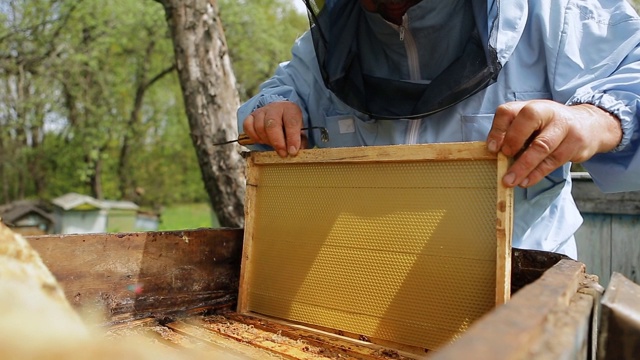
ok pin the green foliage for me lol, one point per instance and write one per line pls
(172, 174)
(61, 159)
(187, 216)
(259, 35)
(73, 69)
(101, 73)
(70, 72)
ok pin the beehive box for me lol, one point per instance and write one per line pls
(405, 245)
(177, 289)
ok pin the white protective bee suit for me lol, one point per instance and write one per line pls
(440, 75)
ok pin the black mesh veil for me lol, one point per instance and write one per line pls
(334, 29)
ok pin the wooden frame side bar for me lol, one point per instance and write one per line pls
(504, 227)
(249, 205)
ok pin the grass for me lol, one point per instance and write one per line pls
(187, 216)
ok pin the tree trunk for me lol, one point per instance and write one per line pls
(211, 99)
(95, 179)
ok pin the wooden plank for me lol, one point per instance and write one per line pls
(337, 341)
(37, 322)
(275, 344)
(568, 332)
(322, 169)
(395, 153)
(133, 324)
(594, 242)
(620, 331)
(173, 344)
(147, 331)
(513, 329)
(590, 199)
(118, 277)
(167, 340)
(211, 345)
(625, 246)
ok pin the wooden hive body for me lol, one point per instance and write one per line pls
(404, 244)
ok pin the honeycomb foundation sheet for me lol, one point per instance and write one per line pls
(394, 243)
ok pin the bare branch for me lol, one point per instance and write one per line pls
(160, 75)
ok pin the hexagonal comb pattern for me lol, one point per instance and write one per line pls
(404, 252)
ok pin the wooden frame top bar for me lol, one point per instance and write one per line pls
(392, 153)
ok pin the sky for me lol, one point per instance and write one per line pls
(299, 4)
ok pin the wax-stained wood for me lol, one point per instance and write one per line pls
(173, 333)
(258, 339)
(22, 265)
(191, 337)
(342, 343)
(117, 277)
(358, 215)
(231, 336)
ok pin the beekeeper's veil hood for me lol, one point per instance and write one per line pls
(335, 27)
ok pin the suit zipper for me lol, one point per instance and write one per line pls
(413, 60)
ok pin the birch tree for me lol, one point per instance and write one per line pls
(211, 100)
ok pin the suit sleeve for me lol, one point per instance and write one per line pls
(293, 81)
(598, 63)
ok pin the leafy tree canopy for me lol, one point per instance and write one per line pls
(90, 101)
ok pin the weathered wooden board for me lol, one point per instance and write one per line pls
(117, 277)
(610, 243)
(593, 240)
(590, 199)
(609, 237)
(36, 320)
(193, 334)
(231, 336)
(620, 335)
(408, 244)
(625, 246)
(548, 319)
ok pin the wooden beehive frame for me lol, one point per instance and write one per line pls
(388, 154)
